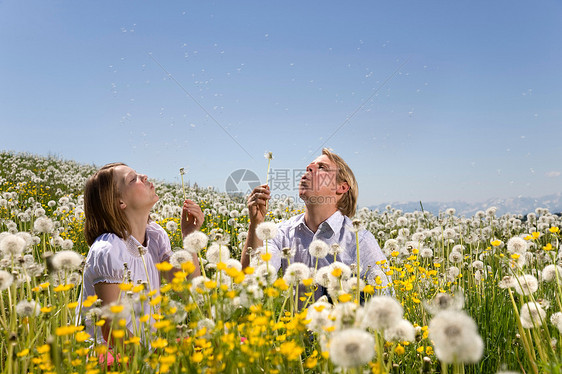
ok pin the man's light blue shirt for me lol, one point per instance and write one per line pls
(337, 229)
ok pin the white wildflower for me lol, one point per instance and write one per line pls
(12, 245)
(526, 284)
(172, 226)
(382, 312)
(318, 249)
(556, 320)
(6, 280)
(28, 308)
(531, 315)
(517, 245)
(403, 331)
(180, 257)
(455, 337)
(352, 348)
(266, 230)
(549, 273)
(444, 301)
(66, 260)
(217, 253)
(195, 242)
(296, 272)
(43, 225)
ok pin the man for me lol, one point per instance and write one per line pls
(329, 191)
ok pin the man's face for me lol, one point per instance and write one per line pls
(319, 182)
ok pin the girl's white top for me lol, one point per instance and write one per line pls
(106, 264)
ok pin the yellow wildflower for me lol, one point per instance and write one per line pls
(164, 266)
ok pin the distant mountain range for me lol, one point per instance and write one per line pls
(517, 205)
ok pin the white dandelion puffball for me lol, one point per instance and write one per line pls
(335, 249)
(266, 230)
(345, 271)
(218, 253)
(556, 320)
(531, 315)
(318, 249)
(67, 260)
(549, 273)
(6, 280)
(28, 308)
(517, 245)
(426, 252)
(171, 226)
(195, 242)
(382, 312)
(322, 276)
(526, 284)
(455, 337)
(43, 225)
(180, 257)
(319, 316)
(403, 331)
(352, 348)
(12, 245)
(296, 272)
(266, 272)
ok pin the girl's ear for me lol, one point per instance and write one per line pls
(342, 188)
(122, 204)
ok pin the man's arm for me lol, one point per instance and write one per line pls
(257, 209)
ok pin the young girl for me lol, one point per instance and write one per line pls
(124, 244)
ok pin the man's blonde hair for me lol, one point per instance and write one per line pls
(348, 202)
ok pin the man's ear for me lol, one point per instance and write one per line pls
(342, 188)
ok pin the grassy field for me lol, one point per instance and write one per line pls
(474, 294)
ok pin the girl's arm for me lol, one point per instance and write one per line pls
(108, 293)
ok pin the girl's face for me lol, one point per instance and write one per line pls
(137, 193)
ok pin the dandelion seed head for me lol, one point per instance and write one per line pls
(318, 249)
(403, 331)
(352, 348)
(556, 320)
(26, 308)
(455, 337)
(526, 284)
(296, 272)
(218, 253)
(549, 273)
(382, 312)
(6, 280)
(322, 277)
(180, 257)
(12, 245)
(426, 252)
(266, 230)
(44, 224)
(531, 315)
(195, 242)
(517, 245)
(66, 260)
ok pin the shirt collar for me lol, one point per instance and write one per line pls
(334, 222)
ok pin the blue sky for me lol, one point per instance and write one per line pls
(426, 100)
